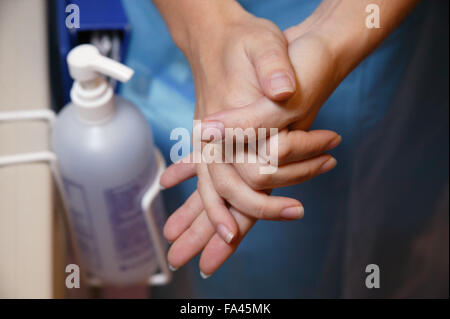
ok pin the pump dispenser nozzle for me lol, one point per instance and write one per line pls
(90, 92)
(85, 63)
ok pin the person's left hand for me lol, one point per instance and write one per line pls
(190, 229)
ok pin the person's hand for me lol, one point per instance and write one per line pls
(245, 53)
(234, 70)
(323, 50)
(318, 74)
(245, 59)
(300, 154)
(191, 232)
(190, 229)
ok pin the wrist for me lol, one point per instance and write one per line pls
(341, 47)
(342, 25)
(199, 23)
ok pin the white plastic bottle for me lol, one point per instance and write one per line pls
(107, 160)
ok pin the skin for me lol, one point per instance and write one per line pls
(232, 73)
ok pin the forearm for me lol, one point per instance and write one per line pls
(194, 21)
(343, 24)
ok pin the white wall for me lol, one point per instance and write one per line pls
(26, 205)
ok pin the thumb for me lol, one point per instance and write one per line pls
(273, 69)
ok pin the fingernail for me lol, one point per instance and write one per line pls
(203, 275)
(172, 268)
(225, 233)
(212, 130)
(293, 213)
(328, 165)
(335, 142)
(281, 83)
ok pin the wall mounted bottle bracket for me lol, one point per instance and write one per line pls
(164, 276)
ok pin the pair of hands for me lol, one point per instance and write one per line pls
(247, 72)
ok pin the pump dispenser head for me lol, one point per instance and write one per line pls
(91, 94)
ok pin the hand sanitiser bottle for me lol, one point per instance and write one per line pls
(107, 161)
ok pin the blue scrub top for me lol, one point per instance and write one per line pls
(389, 188)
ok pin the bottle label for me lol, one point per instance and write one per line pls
(132, 240)
(81, 219)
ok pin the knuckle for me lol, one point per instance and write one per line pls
(259, 210)
(259, 181)
(269, 56)
(195, 234)
(263, 210)
(251, 180)
(264, 180)
(285, 151)
(223, 187)
(308, 172)
(307, 147)
(304, 144)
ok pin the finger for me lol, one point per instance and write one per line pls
(273, 68)
(254, 203)
(191, 242)
(297, 145)
(216, 252)
(260, 116)
(287, 175)
(183, 217)
(215, 207)
(177, 173)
